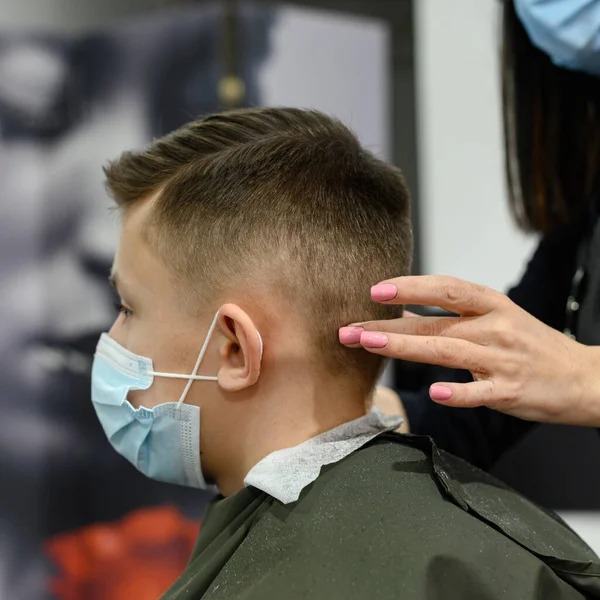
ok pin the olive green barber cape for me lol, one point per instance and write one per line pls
(398, 518)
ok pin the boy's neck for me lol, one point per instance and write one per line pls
(286, 416)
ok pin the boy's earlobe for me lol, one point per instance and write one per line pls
(241, 351)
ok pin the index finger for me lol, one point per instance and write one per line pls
(452, 294)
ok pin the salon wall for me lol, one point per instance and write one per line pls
(350, 79)
(465, 224)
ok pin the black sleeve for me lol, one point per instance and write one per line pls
(546, 283)
(481, 435)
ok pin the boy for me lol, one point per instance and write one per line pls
(248, 238)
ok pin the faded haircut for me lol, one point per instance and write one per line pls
(286, 193)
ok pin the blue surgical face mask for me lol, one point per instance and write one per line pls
(568, 31)
(162, 442)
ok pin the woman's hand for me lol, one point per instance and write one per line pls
(520, 366)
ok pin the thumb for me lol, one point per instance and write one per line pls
(463, 395)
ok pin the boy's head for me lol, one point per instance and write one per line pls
(278, 213)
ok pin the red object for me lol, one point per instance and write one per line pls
(138, 557)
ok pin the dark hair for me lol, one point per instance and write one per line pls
(551, 131)
(280, 196)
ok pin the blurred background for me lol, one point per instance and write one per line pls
(81, 81)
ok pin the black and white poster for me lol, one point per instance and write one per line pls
(76, 520)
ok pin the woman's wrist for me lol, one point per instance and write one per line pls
(589, 386)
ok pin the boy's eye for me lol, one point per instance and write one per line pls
(123, 310)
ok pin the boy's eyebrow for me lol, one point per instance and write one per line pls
(121, 287)
(113, 280)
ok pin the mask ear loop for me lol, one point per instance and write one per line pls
(192, 375)
(261, 344)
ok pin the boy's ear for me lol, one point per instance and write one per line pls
(241, 352)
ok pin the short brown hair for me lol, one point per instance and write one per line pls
(290, 193)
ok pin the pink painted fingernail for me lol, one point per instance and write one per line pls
(384, 291)
(373, 340)
(439, 392)
(350, 335)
